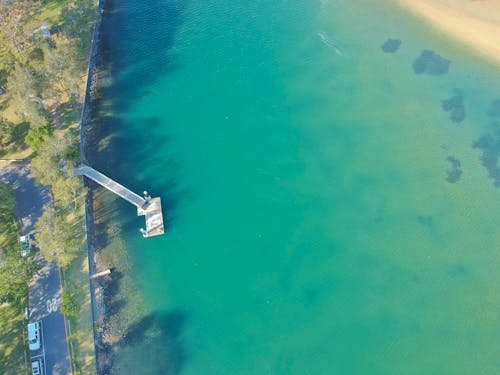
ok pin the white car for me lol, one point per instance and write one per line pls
(34, 335)
(36, 367)
(24, 243)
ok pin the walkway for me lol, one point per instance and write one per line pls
(111, 185)
(147, 206)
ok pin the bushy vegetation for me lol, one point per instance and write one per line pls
(69, 306)
(36, 137)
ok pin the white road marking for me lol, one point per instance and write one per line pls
(43, 343)
(52, 305)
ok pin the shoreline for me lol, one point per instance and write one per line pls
(473, 24)
(90, 87)
(104, 251)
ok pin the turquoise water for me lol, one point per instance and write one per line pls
(311, 228)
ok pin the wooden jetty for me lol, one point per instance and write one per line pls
(146, 206)
(101, 274)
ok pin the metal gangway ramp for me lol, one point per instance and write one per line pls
(146, 206)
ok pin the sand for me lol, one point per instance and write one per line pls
(475, 23)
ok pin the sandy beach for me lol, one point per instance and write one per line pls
(476, 23)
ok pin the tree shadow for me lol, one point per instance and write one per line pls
(147, 52)
(107, 214)
(136, 48)
(156, 338)
(112, 291)
(68, 113)
(17, 136)
(158, 335)
(133, 66)
(126, 150)
(12, 330)
(19, 133)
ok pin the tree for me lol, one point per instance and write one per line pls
(61, 66)
(24, 98)
(56, 237)
(29, 108)
(66, 191)
(21, 81)
(15, 272)
(44, 168)
(50, 163)
(77, 17)
(69, 306)
(37, 136)
(72, 153)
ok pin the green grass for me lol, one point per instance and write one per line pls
(50, 13)
(69, 114)
(12, 343)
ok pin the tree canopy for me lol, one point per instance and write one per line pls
(36, 137)
(58, 238)
(69, 306)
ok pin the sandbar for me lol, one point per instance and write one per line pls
(475, 23)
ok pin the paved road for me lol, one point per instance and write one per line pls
(45, 287)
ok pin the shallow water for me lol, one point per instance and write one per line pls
(326, 213)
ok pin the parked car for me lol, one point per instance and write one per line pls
(25, 245)
(34, 335)
(36, 367)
